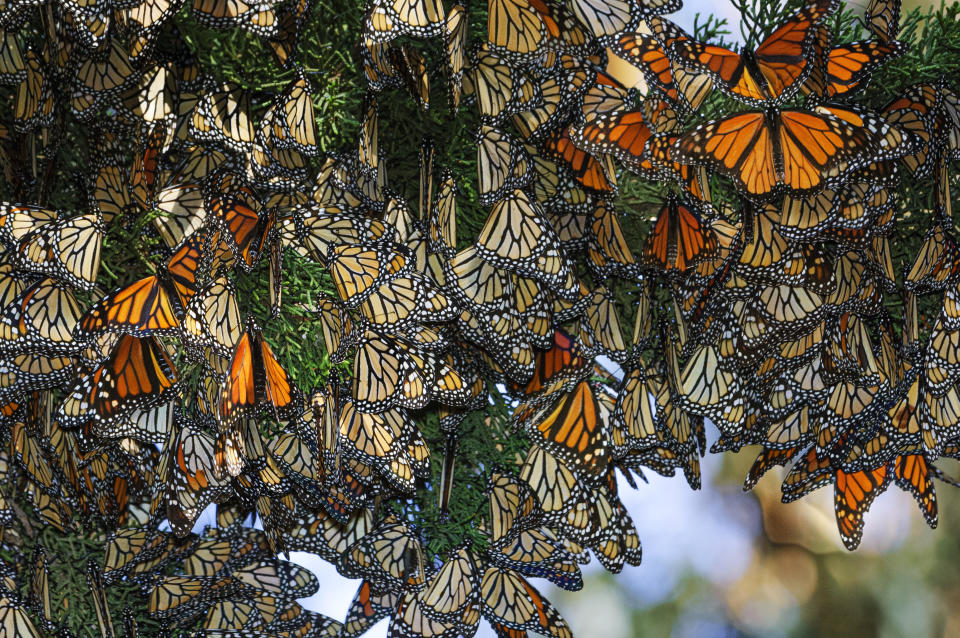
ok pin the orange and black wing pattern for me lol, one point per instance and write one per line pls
(912, 472)
(573, 430)
(140, 309)
(593, 172)
(254, 379)
(679, 239)
(854, 492)
(137, 375)
(771, 74)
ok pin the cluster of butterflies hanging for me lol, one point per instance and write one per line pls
(130, 410)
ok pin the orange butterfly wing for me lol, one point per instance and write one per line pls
(804, 147)
(849, 64)
(572, 430)
(239, 392)
(624, 134)
(182, 267)
(773, 70)
(142, 308)
(679, 239)
(562, 358)
(913, 474)
(644, 51)
(253, 364)
(783, 56)
(279, 389)
(853, 494)
(812, 143)
(740, 147)
(587, 169)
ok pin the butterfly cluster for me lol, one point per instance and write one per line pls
(133, 401)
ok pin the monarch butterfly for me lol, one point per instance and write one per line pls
(131, 551)
(92, 22)
(254, 378)
(623, 134)
(679, 239)
(358, 270)
(232, 201)
(766, 459)
(14, 620)
(213, 319)
(771, 74)
(18, 220)
(913, 473)
(388, 19)
(28, 372)
(443, 218)
(38, 596)
(572, 430)
(455, 41)
(712, 390)
(608, 251)
(647, 52)
(498, 88)
(197, 478)
(412, 69)
(517, 26)
(537, 551)
(596, 173)
(634, 410)
(382, 441)
(12, 67)
(294, 121)
(367, 609)
(599, 329)
(321, 231)
(915, 112)
(506, 598)
(936, 265)
(538, 120)
(277, 577)
(182, 597)
(847, 67)
(484, 291)
(41, 319)
(562, 360)
(258, 17)
(512, 507)
(222, 117)
(31, 453)
(549, 478)
(502, 165)
(793, 149)
(853, 494)
(404, 301)
(389, 372)
(108, 75)
(882, 19)
(140, 309)
(605, 95)
(290, 25)
(451, 595)
(68, 249)
(515, 237)
(950, 114)
(389, 557)
(153, 97)
(137, 375)
(33, 98)
(185, 265)
(623, 16)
